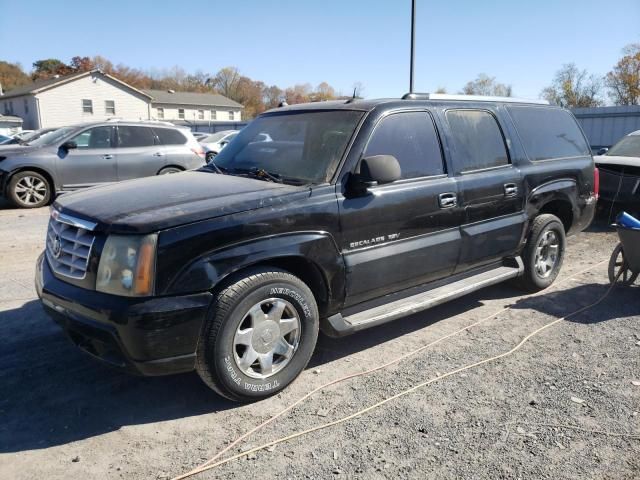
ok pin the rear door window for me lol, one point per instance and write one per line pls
(477, 140)
(132, 136)
(170, 136)
(412, 139)
(548, 133)
(96, 137)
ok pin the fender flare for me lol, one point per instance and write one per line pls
(316, 248)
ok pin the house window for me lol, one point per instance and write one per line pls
(160, 112)
(110, 107)
(181, 113)
(200, 114)
(87, 106)
(26, 106)
(231, 112)
(213, 115)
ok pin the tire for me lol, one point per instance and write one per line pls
(28, 189)
(230, 339)
(169, 170)
(618, 263)
(546, 231)
(210, 156)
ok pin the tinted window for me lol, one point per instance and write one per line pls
(135, 137)
(548, 133)
(169, 136)
(97, 137)
(412, 139)
(629, 146)
(477, 140)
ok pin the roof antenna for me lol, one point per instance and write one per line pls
(353, 98)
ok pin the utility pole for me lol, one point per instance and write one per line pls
(413, 42)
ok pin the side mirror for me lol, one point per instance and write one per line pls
(379, 169)
(602, 151)
(70, 145)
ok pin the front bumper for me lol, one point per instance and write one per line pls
(148, 336)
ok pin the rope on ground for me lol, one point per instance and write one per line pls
(210, 465)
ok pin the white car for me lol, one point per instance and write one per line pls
(619, 169)
(215, 142)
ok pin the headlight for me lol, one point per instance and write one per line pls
(127, 265)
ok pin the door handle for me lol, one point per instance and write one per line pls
(158, 154)
(447, 200)
(510, 189)
(108, 156)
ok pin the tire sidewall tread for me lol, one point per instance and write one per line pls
(214, 357)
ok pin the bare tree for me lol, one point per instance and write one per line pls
(573, 88)
(441, 90)
(226, 81)
(623, 82)
(487, 86)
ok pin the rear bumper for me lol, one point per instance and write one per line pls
(147, 336)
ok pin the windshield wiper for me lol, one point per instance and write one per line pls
(216, 167)
(260, 174)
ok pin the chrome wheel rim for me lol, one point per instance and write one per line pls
(169, 171)
(31, 190)
(547, 253)
(267, 338)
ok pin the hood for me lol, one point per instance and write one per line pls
(156, 203)
(613, 160)
(15, 149)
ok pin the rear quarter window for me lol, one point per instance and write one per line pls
(169, 136)
(548, 133)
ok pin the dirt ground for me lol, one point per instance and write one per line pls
(64, 415)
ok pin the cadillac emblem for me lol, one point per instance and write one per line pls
(57, 247)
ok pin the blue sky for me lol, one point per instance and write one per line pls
(285, 42)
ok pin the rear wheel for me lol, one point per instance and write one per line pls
(29, 190)
(543, 254)
(260, 335)
(168, 170)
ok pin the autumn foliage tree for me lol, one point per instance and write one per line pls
(623, 82)
(12, 76)
(573, 88)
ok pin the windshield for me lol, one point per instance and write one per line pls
(302, 146)
(52, 137)
(629, 146)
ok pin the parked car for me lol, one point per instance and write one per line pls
(200, 135)
(27, 137)
(215, 142)
(91, 154)
(619, 169)
(355, 214)
(4, 139)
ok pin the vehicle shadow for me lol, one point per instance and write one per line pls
(53, 393)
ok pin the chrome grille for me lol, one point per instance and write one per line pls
(69, 242)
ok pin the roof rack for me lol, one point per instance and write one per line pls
(470, 98)
(159, 122)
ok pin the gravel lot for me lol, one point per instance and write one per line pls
(66, 416)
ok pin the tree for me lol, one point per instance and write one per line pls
(323, 92)
(572, 88)
(47, 68)
(623, 82)
(300, 93)
(81, 64)
(358, 89)
(12, 76)
(226, 81)
(441, 90)
(487, 86)
(272, 96)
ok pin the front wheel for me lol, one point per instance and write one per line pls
(169, 170)
(29, 189)
(260, 335)
(543, 254)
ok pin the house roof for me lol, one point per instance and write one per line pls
(41, 85)
(191, 98)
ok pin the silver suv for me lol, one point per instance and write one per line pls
(92, 154)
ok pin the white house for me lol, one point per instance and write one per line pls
(96, 96)
(171, 105)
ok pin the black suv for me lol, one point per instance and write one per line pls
(332, 215)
